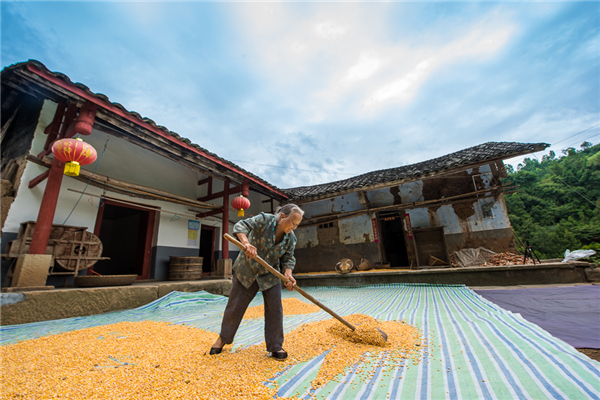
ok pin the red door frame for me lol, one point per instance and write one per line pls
(212, 250)
(147, 250)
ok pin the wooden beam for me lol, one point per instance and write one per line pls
(94, 183)
(102, 181)
(220, 194)
(129, 203)
(38, 179)
(209, 213)
(205, 180)
(52, 130)
(335, 216)
(8, 123)
(69, 118)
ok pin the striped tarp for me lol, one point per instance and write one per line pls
(476, 350)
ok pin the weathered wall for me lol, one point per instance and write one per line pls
(19, 135)
(320, 247)
(481, 220)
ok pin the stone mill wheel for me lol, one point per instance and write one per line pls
(77, 246)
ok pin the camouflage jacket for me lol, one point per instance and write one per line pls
(261, 231)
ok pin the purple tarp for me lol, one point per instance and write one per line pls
(569, 313)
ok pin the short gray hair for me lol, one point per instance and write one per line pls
(288, 209)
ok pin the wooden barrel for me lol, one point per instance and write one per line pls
(185, 268)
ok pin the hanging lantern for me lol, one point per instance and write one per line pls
(73, 152)
(240, 203)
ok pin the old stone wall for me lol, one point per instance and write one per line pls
(67, 303)
(474, 215)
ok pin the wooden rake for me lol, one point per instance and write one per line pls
(297, 289)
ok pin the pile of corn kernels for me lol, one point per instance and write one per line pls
(159, 360)
(291, 306)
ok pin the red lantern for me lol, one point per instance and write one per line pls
(73, 152)
(240, 203)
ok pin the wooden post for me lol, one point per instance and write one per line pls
(43, 225)
(225, 243)
(70, 127)
(246, 188)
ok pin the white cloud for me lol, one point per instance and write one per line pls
(402, 88)
(366, 67)
(337, 60)
(329, 30)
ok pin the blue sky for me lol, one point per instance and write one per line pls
(302, 93)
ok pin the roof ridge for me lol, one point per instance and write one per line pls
(470, 155)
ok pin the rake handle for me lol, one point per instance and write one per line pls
(286, 280)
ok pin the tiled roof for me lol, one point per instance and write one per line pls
(462, 158)
(104, 98)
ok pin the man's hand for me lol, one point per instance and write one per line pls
(250, 250)
(291, 281)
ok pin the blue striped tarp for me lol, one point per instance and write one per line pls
(476, 350)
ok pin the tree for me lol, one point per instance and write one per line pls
(558, 206)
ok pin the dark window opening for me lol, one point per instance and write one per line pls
(327, 225)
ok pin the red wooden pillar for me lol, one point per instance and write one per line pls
(246, 188)
(225, 243)
(43, 225)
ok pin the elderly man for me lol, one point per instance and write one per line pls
(271, 237)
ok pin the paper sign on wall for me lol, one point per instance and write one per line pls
(375, 230)
(407, 225)
(193, 231)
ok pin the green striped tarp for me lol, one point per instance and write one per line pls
(477, 349)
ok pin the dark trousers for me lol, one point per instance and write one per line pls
(238, 302)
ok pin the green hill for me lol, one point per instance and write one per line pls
(557, 206)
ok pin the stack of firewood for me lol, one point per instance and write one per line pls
(507, 258)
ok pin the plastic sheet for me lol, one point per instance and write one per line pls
(577, 255)
(472, 257)
(570, 313)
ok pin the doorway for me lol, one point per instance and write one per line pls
(207, 248)
(394, 245)
(430, 243)
(126, 235)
